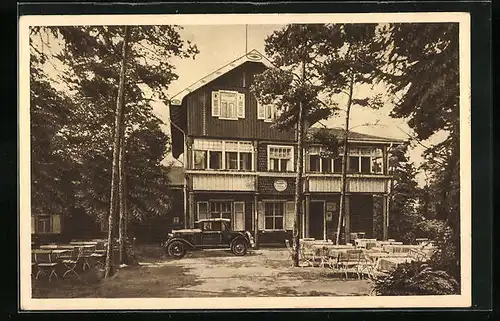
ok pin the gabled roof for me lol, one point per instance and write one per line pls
(357, 137)
(253, 56)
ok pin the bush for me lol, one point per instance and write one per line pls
(447, 242)
(416, 278)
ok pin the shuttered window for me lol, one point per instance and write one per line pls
(46, 224)
(267, 113)
(228, 105)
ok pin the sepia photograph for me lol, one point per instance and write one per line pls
(234, 161)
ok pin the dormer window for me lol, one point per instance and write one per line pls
(228, 105)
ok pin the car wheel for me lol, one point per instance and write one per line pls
(176, 249)
(239, 247)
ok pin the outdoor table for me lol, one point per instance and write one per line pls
(57, 246)
(58, 252)
(84, 242)
(389, 263)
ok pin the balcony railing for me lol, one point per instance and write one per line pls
(223, 181)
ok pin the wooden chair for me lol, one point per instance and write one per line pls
(46, 265)
(307, 254)
(366, 266)
(290, 251)
(99, 256)
(70, 262)
(86, 254)
(347, 262)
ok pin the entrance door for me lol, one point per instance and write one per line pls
(317, 220)
(361, 208)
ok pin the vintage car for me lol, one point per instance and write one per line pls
(208, 234)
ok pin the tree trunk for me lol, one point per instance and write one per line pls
(122, 195)
(298, 180)
(343, 181)
(116, 150)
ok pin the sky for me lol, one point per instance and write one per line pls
(221, 44)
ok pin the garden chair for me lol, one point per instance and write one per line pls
(328, 257)
(366, 266)
(348, 261)
(290, 251)
(86, 254)
(307, 254)
(70, 262)
(99, 256)
(46, 265)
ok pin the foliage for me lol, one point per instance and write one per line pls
(421, 67)
(416, 278)
(403, 212)
(447, 254)
(428, 53)
(51, 183)
(90, 56)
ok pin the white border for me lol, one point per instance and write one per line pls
(27, 303)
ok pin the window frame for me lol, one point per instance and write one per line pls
(224, 149)
(283, 216)
(317, 152)
(292, 158)
(239, 97)
(48, 225)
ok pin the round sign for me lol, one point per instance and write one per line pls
(280, 185)
(253, 56)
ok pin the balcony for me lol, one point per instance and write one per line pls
(356, 183)
(203, 180)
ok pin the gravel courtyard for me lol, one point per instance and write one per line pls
(265, 272)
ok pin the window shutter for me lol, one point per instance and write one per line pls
(261, 216)
(239, 216)
(55, 223)
(33, 222)
(261, 111)
(273, 112)
(215, 104)
(290, 165)
(289, 215)
(241, 105)
(202, 210)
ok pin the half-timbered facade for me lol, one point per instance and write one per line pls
(238, 166)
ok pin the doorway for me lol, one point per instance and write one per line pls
(317, 220)
(361, 211)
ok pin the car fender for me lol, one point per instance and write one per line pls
(239, 237)
(187, 243)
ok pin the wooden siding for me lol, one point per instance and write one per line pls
(354, 184)
(200, 120)
(206, 181)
